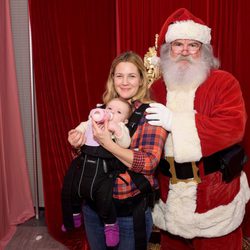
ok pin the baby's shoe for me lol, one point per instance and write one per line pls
(111, 234)
(77, 218)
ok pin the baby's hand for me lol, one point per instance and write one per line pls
(76, 138)
(115, 128)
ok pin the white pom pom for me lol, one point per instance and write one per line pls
(155, 60)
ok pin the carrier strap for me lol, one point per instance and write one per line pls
(139, 179)
(140, 233)
(66, 193)
(142, 184)
(135, 118)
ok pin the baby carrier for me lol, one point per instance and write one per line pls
(109, 164)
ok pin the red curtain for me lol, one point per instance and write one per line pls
(16, 204)
(73, 46)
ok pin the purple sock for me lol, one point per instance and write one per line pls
(77, 218)
(111, 234)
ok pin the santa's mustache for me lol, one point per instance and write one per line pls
(187, 58)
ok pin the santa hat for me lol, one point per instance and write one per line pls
(184, 25)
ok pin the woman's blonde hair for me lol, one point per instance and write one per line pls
(143, 91)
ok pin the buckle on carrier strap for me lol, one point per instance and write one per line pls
(174, 168)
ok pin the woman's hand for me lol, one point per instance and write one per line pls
(76, 138)
(102, 135)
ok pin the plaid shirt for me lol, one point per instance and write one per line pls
(147, 144)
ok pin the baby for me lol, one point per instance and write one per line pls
(94, 182)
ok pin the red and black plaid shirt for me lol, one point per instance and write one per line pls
(147, 144)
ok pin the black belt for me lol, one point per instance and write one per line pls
(186, 171)
(229, 162)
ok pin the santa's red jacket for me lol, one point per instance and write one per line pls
(206, 119)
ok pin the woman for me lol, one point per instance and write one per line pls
(127, 80)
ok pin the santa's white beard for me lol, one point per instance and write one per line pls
(184, 72)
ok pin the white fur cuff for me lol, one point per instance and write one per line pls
(178, 216)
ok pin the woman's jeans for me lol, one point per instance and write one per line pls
(95, 230)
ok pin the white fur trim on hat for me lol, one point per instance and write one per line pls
(188, 30)
(178, 215)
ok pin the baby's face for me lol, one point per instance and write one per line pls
(119, 109)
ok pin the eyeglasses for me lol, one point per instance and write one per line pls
(192, 47)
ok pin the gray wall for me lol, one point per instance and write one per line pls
(20, 31)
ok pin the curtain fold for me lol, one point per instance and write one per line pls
(73, 47)
(15, 196)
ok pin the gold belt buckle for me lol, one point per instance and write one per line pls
(174, 178)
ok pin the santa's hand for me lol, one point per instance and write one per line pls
(159, 115)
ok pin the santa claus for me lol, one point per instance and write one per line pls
(203, 111)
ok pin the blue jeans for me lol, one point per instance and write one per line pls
(95, 230)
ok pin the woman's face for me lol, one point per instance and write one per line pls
(126, 80)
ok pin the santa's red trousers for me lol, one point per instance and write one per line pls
(232, 241)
